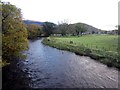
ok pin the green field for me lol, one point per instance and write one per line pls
(103, 48)
(104, 42)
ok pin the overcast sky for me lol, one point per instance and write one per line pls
(102, 14)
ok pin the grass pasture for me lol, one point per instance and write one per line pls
(102, 42)
(103, 48)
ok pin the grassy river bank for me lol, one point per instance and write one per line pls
(103, 48)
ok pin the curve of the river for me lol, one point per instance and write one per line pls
(47, 67)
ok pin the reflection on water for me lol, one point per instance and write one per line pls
(47, 67)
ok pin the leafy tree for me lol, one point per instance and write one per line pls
(79, 28)
(71, 29)
(49, 28)
(14, 33)
(34, 31)
(63, 28)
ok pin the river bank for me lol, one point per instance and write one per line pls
(109, 58)
(13, 78)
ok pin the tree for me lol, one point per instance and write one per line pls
(14, 33)
(79, 28)
(71, 29)
(63, 27)
(49, 28)
(34, 31)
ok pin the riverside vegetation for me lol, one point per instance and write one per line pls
(103, 48)
(14, 33)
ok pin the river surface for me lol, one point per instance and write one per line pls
(47, 67)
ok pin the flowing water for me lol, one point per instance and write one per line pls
(47, 67)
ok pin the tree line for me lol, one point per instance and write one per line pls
(49, 28)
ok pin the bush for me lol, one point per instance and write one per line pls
(71, 42)
(48, 39)
(109, 64)
(87, 51)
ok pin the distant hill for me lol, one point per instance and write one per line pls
(91, 29)
(33, 22)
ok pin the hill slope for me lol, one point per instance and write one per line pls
(33, 22)
(91, 29)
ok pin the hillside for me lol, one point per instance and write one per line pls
(33, 22)
(91, 29)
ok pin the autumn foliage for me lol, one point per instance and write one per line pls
(14, 32)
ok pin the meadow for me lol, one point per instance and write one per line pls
(104, 42)
(103, 48)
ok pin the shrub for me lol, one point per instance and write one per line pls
(87, 51)
(71, 42)
(109, 64)
(48, 39)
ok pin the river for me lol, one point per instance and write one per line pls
(47, 67)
